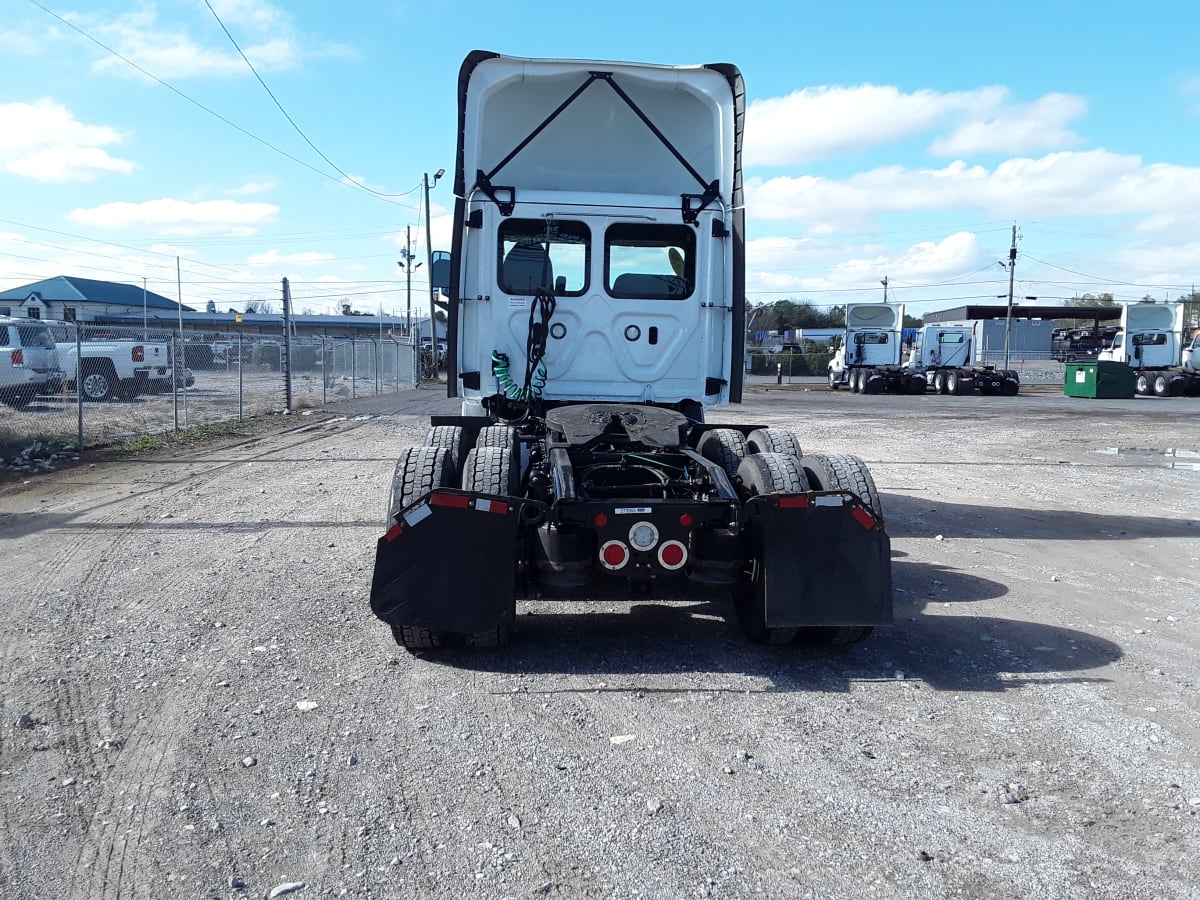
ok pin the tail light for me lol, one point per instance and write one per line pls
(139, 353)
(18, 358)
(672, 555)
(614, 555)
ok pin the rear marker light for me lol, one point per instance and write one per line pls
(601, 520)
(139, 353)
(672, 555)
(794, 502)
(614, 555)
(686, 520)
(18, 357)
(392, 533)
(455, 501)
(864, 518)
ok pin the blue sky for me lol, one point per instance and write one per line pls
(883, 140)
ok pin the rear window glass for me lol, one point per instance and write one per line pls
(952, 337)
(871, 337)
(551, 254)
(36, 336)
(650, 262)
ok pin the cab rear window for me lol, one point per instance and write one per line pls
(650, 261)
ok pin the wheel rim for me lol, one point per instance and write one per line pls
(95, 385)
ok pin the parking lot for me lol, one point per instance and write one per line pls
(197, 701)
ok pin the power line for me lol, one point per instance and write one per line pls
(345, 180)
(287, 116)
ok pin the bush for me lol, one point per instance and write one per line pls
(799, 364)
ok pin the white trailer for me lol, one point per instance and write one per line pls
(1151, 342)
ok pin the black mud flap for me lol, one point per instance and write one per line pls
(449, 562)
(824, 559)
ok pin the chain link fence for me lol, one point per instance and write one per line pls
(112, 384)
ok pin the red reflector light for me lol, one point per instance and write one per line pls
(864, 518)
(139, 353)
(393, 533)
(492, 506)
(455, 501)
(672, 555)
(18, 357)
(686, 520)
(614, 555)
(793, 502)
(601, 520)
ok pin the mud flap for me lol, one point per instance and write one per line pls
(449, 563)
(824, 559)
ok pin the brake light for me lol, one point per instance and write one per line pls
(614, 555)
(139, 353)
(672, 555)
(18, 357)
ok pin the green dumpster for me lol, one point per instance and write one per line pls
(1102, 380)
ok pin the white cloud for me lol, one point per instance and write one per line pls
(44, 141)
(824, 122)
(179, 217)
(1017, 129)
(17, 43)
(275, 258)
(254, 187)
(172, 53)
(797, 266)
(1091, 183)
(249, 13)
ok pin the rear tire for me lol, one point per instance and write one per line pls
(765, 473)
(17, 398)
(939, 382)
(418, 471)
(952, 382)
(724, 446)
(99, 383)
(773, 440)
(453, 440)
(842, 472)
(1143, 384)
(490, 470)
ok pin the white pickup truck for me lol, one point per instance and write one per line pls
(108, 365)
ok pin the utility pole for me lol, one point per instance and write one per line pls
(433, 345)
(1012, 268)
(884, 283)
(407, 266)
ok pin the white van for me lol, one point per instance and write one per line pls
(28, 361)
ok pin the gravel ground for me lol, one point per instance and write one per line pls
(196, 702)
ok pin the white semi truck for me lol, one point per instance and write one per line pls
(943, 355)
(1151, 342)
(869, 360)
(596, 312)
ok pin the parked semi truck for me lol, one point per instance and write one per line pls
(1150, 341)
(942, 354)
(596, 312)
(869, 359)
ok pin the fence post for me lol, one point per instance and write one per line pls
(79, 383)
(353, 368)
(324, 373)
(241, 391)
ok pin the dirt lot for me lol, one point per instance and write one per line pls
(196, 701)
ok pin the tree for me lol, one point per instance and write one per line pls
(1093, 300)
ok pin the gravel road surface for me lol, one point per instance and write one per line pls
(196, 701)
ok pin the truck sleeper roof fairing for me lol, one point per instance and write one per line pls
(612, 143)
